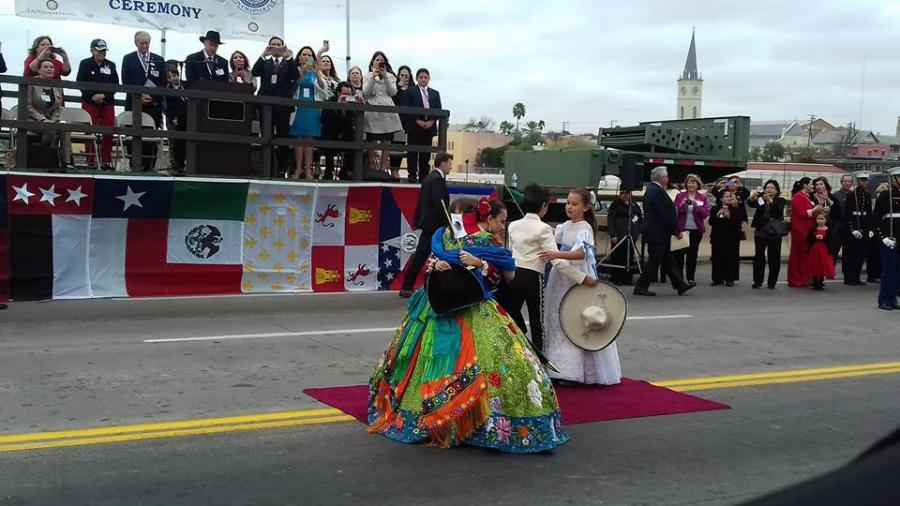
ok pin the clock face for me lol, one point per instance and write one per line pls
(683, 91)
(696, 90)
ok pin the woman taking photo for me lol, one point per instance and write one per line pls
(42, 49)
(404, 78)
(329, 75)
(379, 85)
(307, 122)
(803, 218)
(693, 209)
(767, 239)
(240, 70)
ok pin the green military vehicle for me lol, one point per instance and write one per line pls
(708, 147)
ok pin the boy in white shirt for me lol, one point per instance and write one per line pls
(528, 238)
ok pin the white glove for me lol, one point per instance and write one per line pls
(890, 242)
(871, 234)
(857, 234)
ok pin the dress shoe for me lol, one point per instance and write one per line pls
(873, 280)
(756, 285)
(683, 290)
(692, 283)
(729, 284)
(3, 306)
(405, 294)
(887, 307)
(771, 287)
(645, 293)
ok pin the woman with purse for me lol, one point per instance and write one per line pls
(768, 222)
(461, 371)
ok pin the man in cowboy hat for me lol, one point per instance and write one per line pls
(206, 64)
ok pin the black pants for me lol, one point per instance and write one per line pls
(527, 286)
(686, 259)
(768, 251)
(855, 252)
(510, 302)
(179, 146)
(281, 124)
(659, 257)
(417, 163)
(726, 259)
(423, 250)
(873, 260)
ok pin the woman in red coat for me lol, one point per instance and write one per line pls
(803, 218)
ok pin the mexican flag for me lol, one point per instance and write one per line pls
(205, 235)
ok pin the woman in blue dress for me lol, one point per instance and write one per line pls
(307, 124)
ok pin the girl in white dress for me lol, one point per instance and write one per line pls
(576, 244)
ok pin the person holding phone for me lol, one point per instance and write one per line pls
(307, 122)
(240, 70)
(337, 125)
(278, 73)
(42, 49)
(379, 86)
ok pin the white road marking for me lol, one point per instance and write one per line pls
(372, 330)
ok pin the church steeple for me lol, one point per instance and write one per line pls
(690, 65)
(689, 92)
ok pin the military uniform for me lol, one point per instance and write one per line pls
(887, 222)
(858, 217)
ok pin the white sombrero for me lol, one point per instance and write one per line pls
(592, 316)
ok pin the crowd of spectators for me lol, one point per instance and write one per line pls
(306, 75)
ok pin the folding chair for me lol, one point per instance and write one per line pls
(79, 116)
(124, 120)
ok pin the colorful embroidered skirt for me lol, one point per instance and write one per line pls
(467, 378)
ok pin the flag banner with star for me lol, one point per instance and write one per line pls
(129, 232)
(204, 253)
(4, 242)
(278, 237)
(397, 240)
(472, 192)
(49, 233)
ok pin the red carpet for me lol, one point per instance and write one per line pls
(578, 403)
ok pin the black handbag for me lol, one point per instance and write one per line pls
(773, 229)
(453, 290)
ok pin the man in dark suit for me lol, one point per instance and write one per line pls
(206, 65)
(278, 73)
(143, 68)
(420, 130)
(660, 224)
(430, 216)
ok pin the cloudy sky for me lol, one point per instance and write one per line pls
(590, 62)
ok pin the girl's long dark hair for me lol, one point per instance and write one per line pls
(231, 61)
(589, 214)
(798, 186)
(387, 64)
(37, 42)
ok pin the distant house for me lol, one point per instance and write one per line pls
(798, 135)
(765, 132)
(843, 139)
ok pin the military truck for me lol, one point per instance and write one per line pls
(708, 147)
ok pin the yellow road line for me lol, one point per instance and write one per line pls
(781, 380)
(120, 438)
(778, 374)
(181, 424)
(197, 427)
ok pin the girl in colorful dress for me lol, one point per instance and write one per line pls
(820, 262)
(576, 244)
(468, 377)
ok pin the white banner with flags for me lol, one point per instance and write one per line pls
(233, 19)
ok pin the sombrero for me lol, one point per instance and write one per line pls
(592, 316)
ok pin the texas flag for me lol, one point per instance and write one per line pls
(397, 238)
(129, 232)
(49, 229)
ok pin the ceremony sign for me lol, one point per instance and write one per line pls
(235, 19)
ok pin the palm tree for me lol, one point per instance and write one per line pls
(541, 125)
(519, 113)
(506, 127)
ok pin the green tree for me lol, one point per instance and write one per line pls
(518, 112)
(773, 152)
(506, 127)
(491, 157)
(755, 154)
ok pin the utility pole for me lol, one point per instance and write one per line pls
(564, 124)
(809, 129)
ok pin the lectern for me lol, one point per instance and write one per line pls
(228, 117)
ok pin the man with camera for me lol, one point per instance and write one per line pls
(278, 73)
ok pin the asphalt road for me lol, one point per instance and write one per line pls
(84, 364)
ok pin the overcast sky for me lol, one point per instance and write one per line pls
(589, 62)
